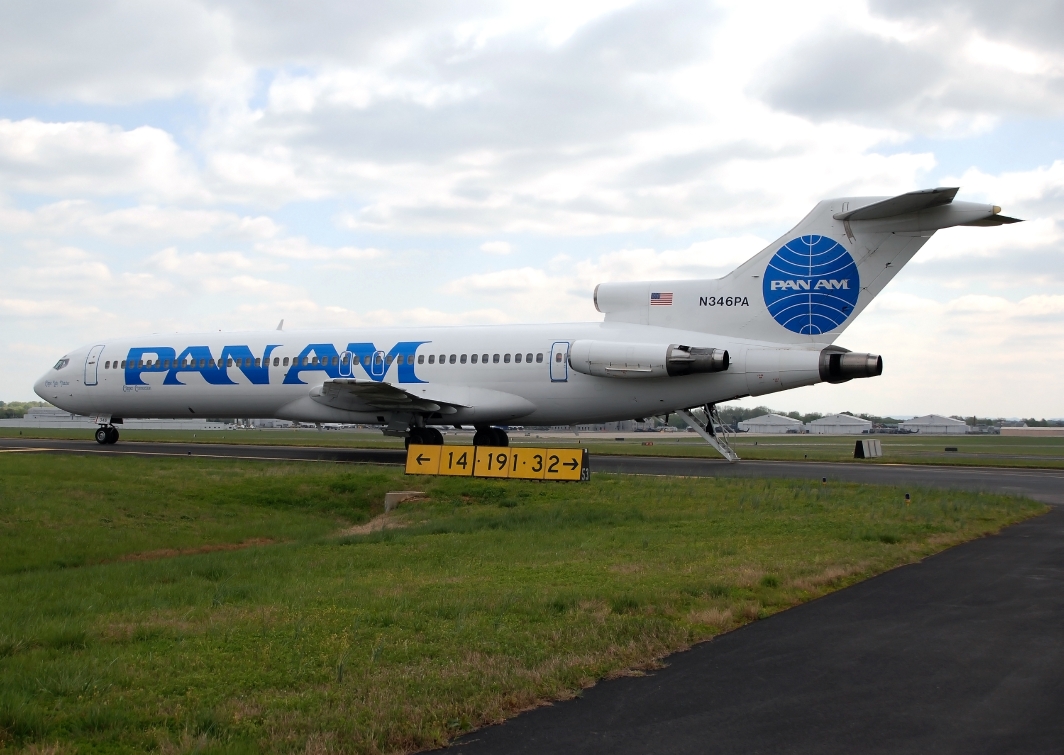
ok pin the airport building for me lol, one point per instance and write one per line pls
(839, 424)
(771, 423)
(935, 424)
(41, 417)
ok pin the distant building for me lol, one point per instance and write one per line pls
(935, 424)
(839, 424)
(770, 423)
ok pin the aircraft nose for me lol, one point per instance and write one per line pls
(39, 389)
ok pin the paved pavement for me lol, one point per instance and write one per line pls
(960, 653)
(1042, 485)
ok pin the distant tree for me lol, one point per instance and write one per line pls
(17, 409)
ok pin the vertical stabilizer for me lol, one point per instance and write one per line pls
(808, 285)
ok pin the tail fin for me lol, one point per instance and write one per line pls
(809, 285)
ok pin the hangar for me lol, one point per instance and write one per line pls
(935, 424)
(839, 424)
(771, 423)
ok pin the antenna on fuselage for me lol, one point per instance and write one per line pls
(280, 325)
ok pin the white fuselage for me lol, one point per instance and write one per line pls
(275, 374)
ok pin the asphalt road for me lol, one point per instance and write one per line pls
(960, 653)
(1042, 485)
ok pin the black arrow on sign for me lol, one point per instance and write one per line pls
(571, 464)
(420, 460)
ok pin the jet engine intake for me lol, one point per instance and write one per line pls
(838, 366)
(644, 360)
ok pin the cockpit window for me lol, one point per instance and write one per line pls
(62, 363)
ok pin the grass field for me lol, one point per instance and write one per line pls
(192, 605)
(973, 450)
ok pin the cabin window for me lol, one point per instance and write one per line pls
(528, 358)
(212, 363)
(484, 359)
(463, 359)
(432, 359)
(473, 358)
(276, 361)
(409, 358)
(166, 364)
(202, 363)
(506, 358)
(140, 364)
(421, 359)
(229, 362)
(495, 359)
(539, 358)
(558, 357)
(388, 359)
(123, 364)
(107, 365)
(258, 361)
(443, 358)
(285, 363)
(399, 359)
(452, 358)
(517, 358)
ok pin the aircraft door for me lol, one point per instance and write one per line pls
(92, 364)
(346, 366)
(559, 362)
(377, 365)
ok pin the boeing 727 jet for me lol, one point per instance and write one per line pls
(663, 347)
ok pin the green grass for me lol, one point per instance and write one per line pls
(482, 600)
(975, 450)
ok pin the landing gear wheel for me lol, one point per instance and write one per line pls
(102, 436)
(416, 437)
(499, 437)
(112, 435)
(432, 436)
(483, 437)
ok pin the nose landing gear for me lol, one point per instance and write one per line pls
(107, 435)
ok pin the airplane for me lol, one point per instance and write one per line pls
(663, 347)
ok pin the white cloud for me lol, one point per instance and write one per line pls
(496, 247)
(94, 159)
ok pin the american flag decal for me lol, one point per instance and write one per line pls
(661, 300)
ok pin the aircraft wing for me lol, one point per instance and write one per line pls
(355, 395)
(361, 395)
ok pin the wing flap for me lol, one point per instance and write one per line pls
(352, 394)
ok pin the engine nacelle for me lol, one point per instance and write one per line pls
(837, 366)
(644, 360)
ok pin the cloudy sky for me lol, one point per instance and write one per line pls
(192, 165)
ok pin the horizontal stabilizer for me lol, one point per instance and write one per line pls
(903, 204)
(994, 220)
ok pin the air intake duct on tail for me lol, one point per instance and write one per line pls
(838, 365)
(645, 360)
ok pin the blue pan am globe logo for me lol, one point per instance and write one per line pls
(811, 285)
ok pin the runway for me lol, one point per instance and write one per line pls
(960, 653)
(1042, 485)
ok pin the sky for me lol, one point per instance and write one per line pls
(197, 165)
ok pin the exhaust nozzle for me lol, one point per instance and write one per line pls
(837, 366)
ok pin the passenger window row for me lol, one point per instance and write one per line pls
(164, 364)
(482, 358)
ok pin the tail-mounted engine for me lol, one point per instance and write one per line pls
(645, 360)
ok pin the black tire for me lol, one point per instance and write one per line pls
(416, 437)
(501, 439)
(112, 435)
(432, 436)
(483, 438)
(102, 436)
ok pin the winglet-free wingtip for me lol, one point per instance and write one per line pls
(280, 325)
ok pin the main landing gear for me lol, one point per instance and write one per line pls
(107, 435)
(424, 436)
(491, 436)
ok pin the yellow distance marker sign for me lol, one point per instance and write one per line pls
(423, 459)
(563, 464)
